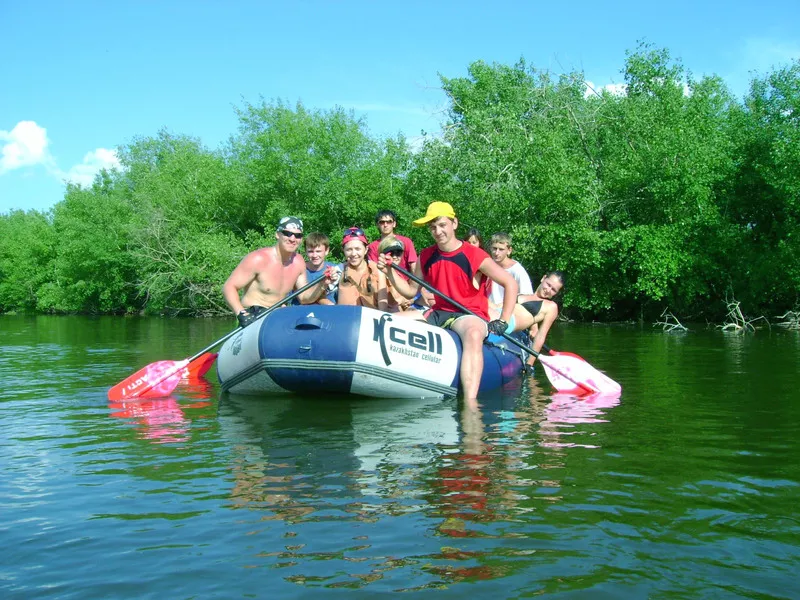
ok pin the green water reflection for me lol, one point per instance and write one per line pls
(687, 486)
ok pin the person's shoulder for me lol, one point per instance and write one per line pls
(264, 252)
(406, 240)
(259, 256)
(425, 252)
(474, 251)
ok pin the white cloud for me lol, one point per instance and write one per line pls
(24, 146)
(27, 145)
(84, 173)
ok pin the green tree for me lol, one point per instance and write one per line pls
(765, 204)
(666, 159)
(27, 249)
(190, 205)
(318, 164)
(92, 271)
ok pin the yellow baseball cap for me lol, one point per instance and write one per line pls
(436, 210)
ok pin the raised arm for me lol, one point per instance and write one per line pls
(540, 334)
(382, 295)
(407, 289)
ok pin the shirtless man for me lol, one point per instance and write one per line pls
(452, 266)
(268, 275)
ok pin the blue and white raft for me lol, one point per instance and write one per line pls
(354, 350)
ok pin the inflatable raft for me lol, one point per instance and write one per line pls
(354, 350)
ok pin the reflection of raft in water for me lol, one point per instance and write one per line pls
(353, 350)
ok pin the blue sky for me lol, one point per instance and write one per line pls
(80, 78)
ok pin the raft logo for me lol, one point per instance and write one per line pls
(409, 343)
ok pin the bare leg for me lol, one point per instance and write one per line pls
(417, 315)
(472, 331)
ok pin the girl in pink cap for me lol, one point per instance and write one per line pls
(361, 283)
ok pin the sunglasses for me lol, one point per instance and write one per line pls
(294, 234)
(385, 222)
(354, 232)
(396, 253)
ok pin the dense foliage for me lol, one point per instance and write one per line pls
(671, 194)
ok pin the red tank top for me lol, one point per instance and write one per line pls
(453, 273)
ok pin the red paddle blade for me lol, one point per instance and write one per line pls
(572, 354)
(573, 375)
(199, 366)
(156, 380)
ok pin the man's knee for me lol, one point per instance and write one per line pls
(473, 333)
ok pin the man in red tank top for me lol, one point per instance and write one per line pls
(451, 266)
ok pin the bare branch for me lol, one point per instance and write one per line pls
(737, 321)
(669, 322)
(791, 320)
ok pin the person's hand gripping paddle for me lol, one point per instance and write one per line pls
(158, 379)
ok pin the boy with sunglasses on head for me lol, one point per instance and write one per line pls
(267, 275)
(386, 221)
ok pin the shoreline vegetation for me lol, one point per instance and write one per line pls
(665, 201)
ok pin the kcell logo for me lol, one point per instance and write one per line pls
(403, 341)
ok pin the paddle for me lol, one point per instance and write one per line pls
(589, 372)
(158, 379)
(199, 366)
(560, 370)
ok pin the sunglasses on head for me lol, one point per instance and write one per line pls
(354, 232)
(294, 234)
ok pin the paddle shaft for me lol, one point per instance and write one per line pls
(179, 366)
(464, 309)
(260, 315)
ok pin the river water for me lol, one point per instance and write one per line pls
(688, 486)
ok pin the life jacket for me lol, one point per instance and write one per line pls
(359, 289)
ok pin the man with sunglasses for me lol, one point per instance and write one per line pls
(386, 221)
(451, 266)
(268, 275)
